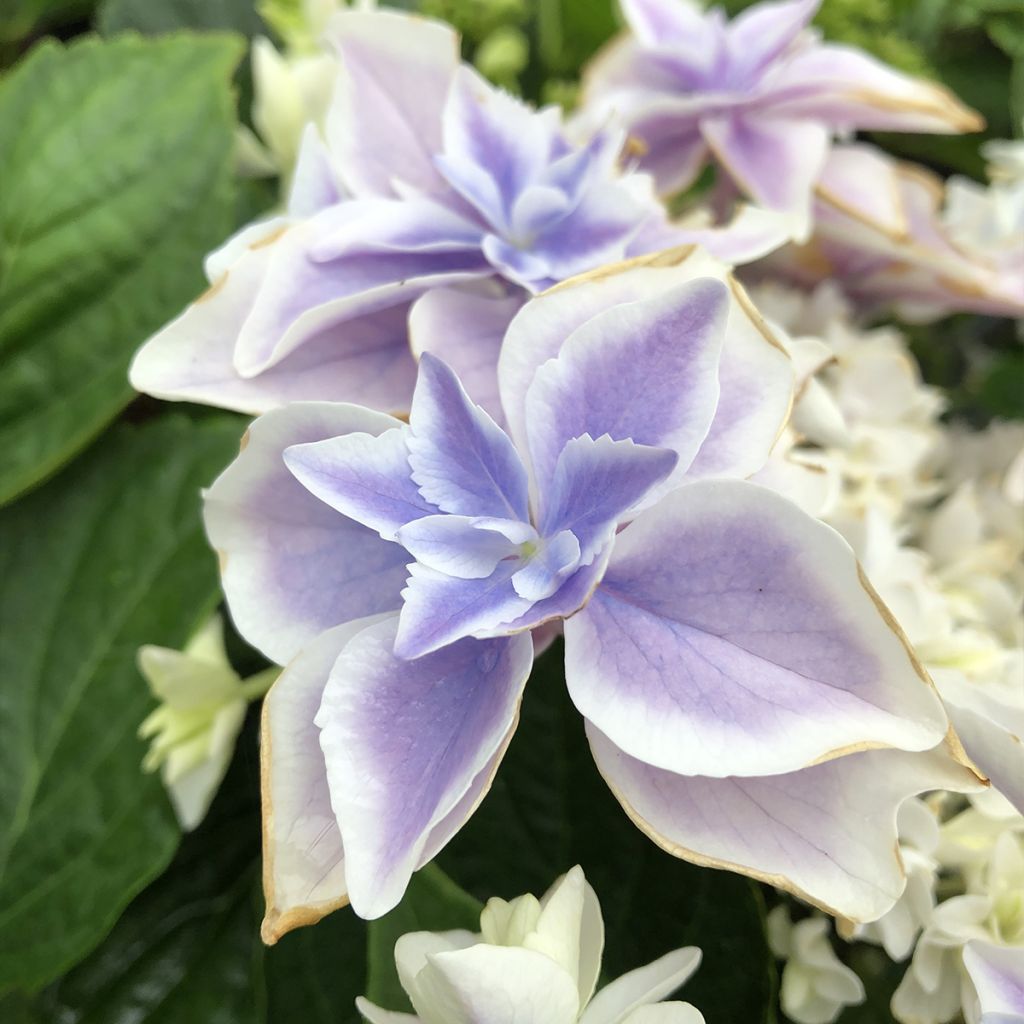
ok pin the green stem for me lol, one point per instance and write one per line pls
(256, 686)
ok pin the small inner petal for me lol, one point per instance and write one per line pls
(549, 564)
(461, 546)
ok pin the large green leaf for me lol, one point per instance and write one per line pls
(550, 809)
(106, 557)
(432, 903)
(188, 948)
(115, 159)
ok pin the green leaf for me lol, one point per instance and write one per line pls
(108, 556)
(188, 948)
(432, 903)
(116, 162)
(169, 15)
(549, 809)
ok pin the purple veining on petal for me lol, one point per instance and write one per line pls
(404, 742)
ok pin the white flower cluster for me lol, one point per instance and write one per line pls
(936, 516)
(535, 961)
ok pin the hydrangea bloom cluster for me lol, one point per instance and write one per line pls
(431, 208)
(952, 572)
(736, 675)
(762, 95)
(533, 962)
(506, 397)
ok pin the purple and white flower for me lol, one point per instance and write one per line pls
(434, 206)
(744, 693)
(761, 95)
(894, 237)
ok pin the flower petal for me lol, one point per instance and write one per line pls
(364, 476)
(997, 973)
(497, 984)
(595, 483)
(439, 609)
(756, 379)
(752, 233)
(648, 984)
(732, 634)
(303, 859)
(494, 145)
(825, 833)
(413, 224)
(755, 375)
(645, 371)
(994, 741)
(658, 21)
(384, 122)
(314, 182)
(758, 35)
(462, 461)
(301, 296)
(291, 566)
(557, 558)
(462, 546)
(465, 327)
(192, 358)
(570, 930)
(413, 949)
(666, 1013)
(849, 89)
(775, 160)
(405, 741)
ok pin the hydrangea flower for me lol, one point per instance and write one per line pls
(881, 229)
(533, 962)
(761, 95)
(744, 694)
(202, 708)
(816, 985)
(433, 208)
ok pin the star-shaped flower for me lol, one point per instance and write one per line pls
(738, 678)
(761, 95)
(433, 208)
